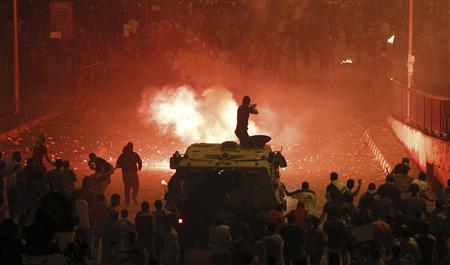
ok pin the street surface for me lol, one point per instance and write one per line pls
(326, 116)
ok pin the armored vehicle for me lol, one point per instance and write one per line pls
(224, 180)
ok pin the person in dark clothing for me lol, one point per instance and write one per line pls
(396, 260)
(366, 200)
(413, 206)
(391, 192)
(32, 175)
(336, 234)
(103, 169)
(146, 230)
(130, 162)
(294, 241)
(315, 241)
(402, 168)
(243, 113)
(40, 234)
(70, 176)
(40, 152)
(336, 191)
(55, 177)
(427, 245)
(439, 227)
(10, 246)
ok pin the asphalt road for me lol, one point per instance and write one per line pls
(327, 117)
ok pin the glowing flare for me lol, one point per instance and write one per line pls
(347, 61)
(163, 182)
(391, 39)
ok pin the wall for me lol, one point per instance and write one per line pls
(431, 154)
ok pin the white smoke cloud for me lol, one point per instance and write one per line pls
(192, 117)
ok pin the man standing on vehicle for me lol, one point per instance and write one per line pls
(130, 162)
(243, 113)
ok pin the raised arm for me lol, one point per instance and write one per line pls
(253, 109)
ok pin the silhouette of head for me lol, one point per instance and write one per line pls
(333, 176)
(422, 176)
(41, 138)
(389, 178)
(115, 199)
(350, 183)
(92, 156)
(405, 160)
(145, 206)
(305, 185)
(130, 146)
(246, 101)
(414, 189)
(58, 163)
(371, 187)
(158, 204)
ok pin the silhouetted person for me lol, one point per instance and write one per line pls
(294, 241)
(273, 243)
(336, 191)
(40, 152)
(13, 168)
(171, 245)
(414, 205)
(390, 191)
(58, 180)
(219, 238)
(146, 230)
(427, 245)
(424, 189)
(130, 163)
(243, 113)
(315, 241)
(402, 167)
(40, 233)
(366, 200)
(11, 248)
(70, 176)
(103, 172)
(305, 195)
(113, 231)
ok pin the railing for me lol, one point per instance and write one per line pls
(426, 112)
(90, 74)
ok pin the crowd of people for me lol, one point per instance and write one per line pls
(285, 38)
(45, 217)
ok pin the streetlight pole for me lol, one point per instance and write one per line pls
(411, 59)
(16, 60)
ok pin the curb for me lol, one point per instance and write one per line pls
(28, 125)
(376, 151)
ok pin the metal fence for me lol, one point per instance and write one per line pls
(426, 112)
(89, 75)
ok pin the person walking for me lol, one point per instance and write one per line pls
(130, 162)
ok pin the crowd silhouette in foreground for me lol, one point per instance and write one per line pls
(46, 220)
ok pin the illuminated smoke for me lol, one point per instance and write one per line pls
(209, 116)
